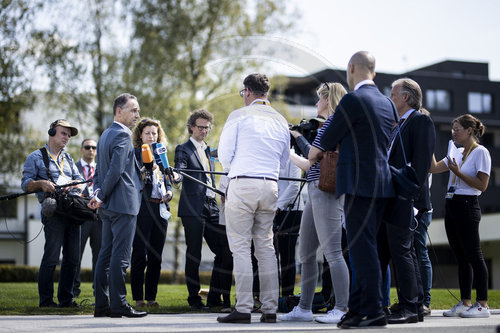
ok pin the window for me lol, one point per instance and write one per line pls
(438, 99)
(8, 208)
(479, 102)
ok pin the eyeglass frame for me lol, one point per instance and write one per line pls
(88, 147)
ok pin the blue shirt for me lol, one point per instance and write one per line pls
(34, 169)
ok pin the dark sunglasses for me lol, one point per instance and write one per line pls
(90, 147)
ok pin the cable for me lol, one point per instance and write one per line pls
(438, 268)
(14, 236)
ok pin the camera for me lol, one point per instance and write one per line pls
(308, 128)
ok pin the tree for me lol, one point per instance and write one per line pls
(15, 81)
(173, 43)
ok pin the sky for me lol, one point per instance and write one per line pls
(402, 35)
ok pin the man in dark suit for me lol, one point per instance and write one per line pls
(416, 131)
(362, 125)
(117, 194)
(91, 230)
(200, 216)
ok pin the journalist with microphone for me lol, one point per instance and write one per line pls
(117, 194)
(152, 220)
(43, 170)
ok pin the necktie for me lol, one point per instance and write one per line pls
(89, 174)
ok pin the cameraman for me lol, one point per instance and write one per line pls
(59, 232)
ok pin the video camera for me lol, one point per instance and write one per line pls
(308, 128)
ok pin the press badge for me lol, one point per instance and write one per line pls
(450, 193)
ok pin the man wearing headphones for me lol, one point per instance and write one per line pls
(59, 231)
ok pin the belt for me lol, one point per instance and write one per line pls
(255, 177)
(155, 200)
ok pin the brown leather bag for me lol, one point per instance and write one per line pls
(328, 171)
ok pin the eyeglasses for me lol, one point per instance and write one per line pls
(455, 130)
(203, 128)
(90, 147)
(242, 92)
(327, 86)
(149, 120)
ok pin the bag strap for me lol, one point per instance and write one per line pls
(45, 157)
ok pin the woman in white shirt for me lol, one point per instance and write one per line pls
(469, 176)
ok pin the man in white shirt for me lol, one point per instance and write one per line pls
(253, 145)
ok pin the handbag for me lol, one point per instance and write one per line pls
(405, 178)
(328, 171)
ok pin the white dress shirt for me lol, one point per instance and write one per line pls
(254, 142)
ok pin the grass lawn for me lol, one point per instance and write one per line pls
(22, 299)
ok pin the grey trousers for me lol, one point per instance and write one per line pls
(321, 225)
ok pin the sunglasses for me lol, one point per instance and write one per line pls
(90, 147)
(327, 86)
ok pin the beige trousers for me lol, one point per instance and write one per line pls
(250, 209)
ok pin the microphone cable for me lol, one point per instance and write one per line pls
(438, 269)
(14, 236)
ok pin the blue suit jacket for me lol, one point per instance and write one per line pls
(117, 172)
(193, 194)
(362, 124)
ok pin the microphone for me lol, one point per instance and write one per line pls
(157, 157)
(49, 206)
(147, 157)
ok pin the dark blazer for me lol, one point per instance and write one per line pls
(362, 124)
(193, 194)
(418, 135)
(78, 164)
(117, 172)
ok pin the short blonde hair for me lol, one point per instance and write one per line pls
(333, 93)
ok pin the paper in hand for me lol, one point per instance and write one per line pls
(453, 151)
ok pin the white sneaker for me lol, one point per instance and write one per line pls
(332, 317)
(476, 311)
(297, 314)
(456, 310)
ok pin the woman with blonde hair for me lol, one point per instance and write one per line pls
(321, 225)
(469, 177)
(152, 220)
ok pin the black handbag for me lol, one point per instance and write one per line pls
(405, 178)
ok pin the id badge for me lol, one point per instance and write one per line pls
(450, 193)
(63, 180)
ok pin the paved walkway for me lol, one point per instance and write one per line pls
(198, 323)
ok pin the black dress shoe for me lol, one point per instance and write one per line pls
(50, 304)
(365, 321)
(345, 317)
(403, 316)
(268, 318)
(199, 306)
(102, 311)
(235, 317)
(71, 304)
(127, 311)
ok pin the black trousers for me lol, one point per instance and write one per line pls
(395, 241)
(286, 231)
(91, 231)
(195, 229)
(147, 249)
(462, 228)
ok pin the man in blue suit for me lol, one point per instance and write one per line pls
(117, 194)
(362, 124)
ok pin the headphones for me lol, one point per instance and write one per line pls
(52, 129)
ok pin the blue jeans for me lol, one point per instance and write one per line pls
(58, 233)
(424, 263)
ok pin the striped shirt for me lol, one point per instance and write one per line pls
(313, 173)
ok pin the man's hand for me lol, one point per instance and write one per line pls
(94, 204)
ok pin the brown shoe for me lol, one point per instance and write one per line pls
(268, 318)
(235, 317)
(152, 304)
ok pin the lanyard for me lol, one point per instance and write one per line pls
(463, 161)
(260, 101)
(60, 167)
